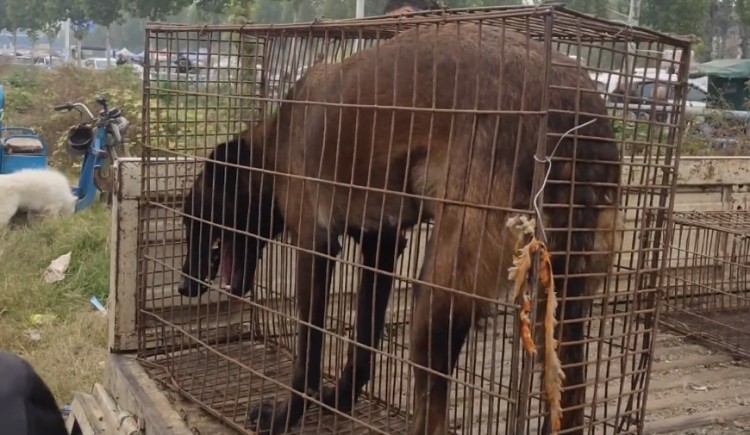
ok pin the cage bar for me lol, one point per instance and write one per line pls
(707, 294)
(230, 353)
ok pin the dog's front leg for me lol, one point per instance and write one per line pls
(313, 280)
(380, 250)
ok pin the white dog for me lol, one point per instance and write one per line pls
(43, 191)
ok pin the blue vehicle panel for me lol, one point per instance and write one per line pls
(20, 147)
(86, 190)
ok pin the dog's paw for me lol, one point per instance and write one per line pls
(344, 402)
(269, 419)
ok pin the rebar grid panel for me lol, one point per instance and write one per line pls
(387, 154)
(708, 279)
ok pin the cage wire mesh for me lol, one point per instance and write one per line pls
(707, 286)
(242, 202)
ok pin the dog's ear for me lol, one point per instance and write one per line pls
(236, 152)
(233, 152)
(227, 170)
(218, 154)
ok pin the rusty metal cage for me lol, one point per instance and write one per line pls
(707, 286)
(248, 130)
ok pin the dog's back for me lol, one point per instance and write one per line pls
(38, 190)
(454, 119)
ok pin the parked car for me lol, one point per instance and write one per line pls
(648, 86)
(99, 63)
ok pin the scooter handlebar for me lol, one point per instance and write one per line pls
(63, 107)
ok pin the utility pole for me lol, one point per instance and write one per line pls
(359, 13)
(66, 33)
(634, 13)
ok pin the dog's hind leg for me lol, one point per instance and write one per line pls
(8, 209)
(441, 322)
(463, 261)
(314, 272)
(590, 253)
(379, 251)
(55, 209)
(5, 218)
(52, 211)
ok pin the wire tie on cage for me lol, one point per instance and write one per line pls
(548, 160)
(553, 376)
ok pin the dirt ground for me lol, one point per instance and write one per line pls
(693, 390)
(697, 390)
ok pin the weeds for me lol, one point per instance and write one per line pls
(68, 351)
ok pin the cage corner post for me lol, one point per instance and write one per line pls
(122, 304)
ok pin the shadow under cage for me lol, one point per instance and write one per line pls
(370, 225)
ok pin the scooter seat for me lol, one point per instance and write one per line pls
(22, 145)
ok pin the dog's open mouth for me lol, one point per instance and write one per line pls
(221, 261)
(226, 263)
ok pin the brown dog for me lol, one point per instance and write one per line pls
(343, 168)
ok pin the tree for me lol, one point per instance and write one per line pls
(52, 16)
(597, 8)
(4, 23)
(80, 27)
(19, 16)
(103, 13)
(240, 11)
(267, 11)
(155, 10)
(37, 18)
(213, 8)
(683, 17)
(477, 3)
(718, 24)
(337, 9)
(50, 31)
(742, 11)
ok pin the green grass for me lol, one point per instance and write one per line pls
(68, 352)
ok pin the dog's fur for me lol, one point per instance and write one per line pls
(213, 201)
(464, 158)
(396, 7)
(44, 191)
(219, 208)
(219, 199)
(220, 211)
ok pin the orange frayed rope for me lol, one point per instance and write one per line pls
(520, 274)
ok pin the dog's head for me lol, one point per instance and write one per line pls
(223, 216)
